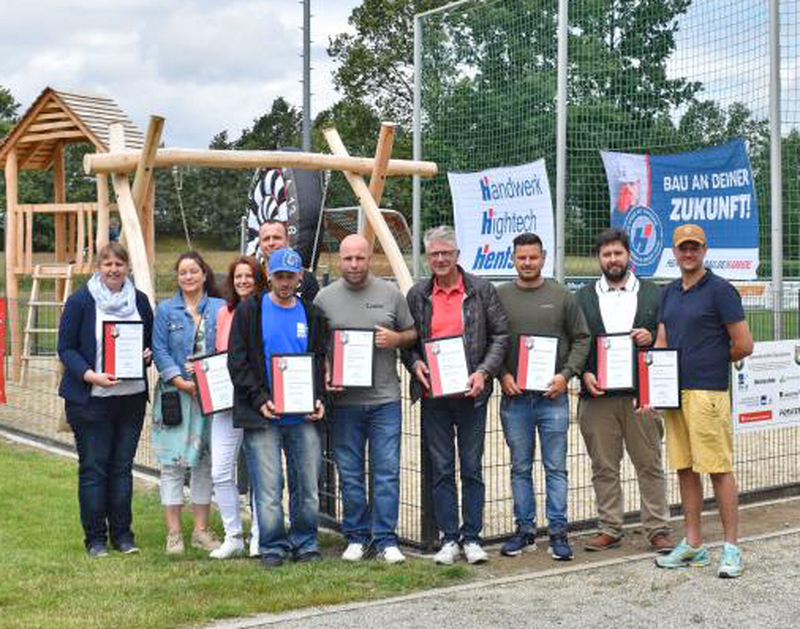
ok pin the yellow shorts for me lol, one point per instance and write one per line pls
(699, 434)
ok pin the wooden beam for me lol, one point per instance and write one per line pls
(12, 283)
(126, 161)
(28, 138)
(102, 211)
(377, 181)
(130, 220)
(60, 221)
(374, 216)
(144, 169)
(50, 126)
(59, 115)
(27, 159)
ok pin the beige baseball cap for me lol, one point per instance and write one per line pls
(688, 233)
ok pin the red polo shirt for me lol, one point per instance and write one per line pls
(446, 317)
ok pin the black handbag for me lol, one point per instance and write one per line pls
(171, 408)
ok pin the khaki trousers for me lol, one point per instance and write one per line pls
(608, 425)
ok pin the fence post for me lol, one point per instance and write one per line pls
(775, 166)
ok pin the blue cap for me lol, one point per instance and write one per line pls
(285, 259)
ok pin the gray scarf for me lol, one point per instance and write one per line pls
(121, 304)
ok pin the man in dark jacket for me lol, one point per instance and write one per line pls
(621, 302)
(456, 303)
(271, 323)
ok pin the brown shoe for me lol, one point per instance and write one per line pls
(662, 543)
(205, 540)
(602, 541)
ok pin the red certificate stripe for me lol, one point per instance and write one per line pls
(337, 378)
(203, 391)
(644, 380)
(602, 359)
(277, 386)
(433, 368)
(109, 349)
(522, 364)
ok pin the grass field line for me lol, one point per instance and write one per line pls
(275, 619)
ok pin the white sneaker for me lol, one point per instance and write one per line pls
(231, 547)
(474, 553)
(353, 552)
(391, 555)
(254, 552)
(448, 554)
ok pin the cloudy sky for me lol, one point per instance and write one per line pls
(204, 65)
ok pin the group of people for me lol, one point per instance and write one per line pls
(281, 312)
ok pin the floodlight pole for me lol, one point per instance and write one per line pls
(416, 182)
(775, 166)
(561, 140)
(307, 75)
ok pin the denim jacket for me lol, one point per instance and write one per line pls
(174, 333)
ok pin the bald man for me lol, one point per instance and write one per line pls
(358, 300)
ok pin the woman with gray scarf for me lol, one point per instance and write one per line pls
(104, 412)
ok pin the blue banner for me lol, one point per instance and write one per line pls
(651, 195)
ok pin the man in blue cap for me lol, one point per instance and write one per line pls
(278, 322)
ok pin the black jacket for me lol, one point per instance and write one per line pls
(648, 300)
(485, 329)
(246, 360)
(77, 341)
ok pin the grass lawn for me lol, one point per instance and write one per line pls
(49, 581)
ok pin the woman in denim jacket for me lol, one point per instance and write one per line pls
(185, 326)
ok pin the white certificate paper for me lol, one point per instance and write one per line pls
(447, 363)
(659, 380)
(214, 386)
(293, 384)
(123, 347)
(615, 362)
(537, 362)
(352, 358)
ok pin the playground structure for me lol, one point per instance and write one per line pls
(58, 118)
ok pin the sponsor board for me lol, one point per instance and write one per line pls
(766, 387)
(492, 207)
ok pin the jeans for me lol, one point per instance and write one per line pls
(522, 416)
(107, 434)
(353, 426)
(443, 422)
(302, 446)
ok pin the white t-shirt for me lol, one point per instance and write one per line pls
(618, 305)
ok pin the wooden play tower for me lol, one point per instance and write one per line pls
(37, 142)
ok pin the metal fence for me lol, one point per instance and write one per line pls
(766, 462)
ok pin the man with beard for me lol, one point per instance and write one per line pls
(536, 306)
(620, 302)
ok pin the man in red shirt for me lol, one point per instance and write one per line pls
(456, 303)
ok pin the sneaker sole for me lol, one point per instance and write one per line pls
(687, 564)
(560, 558)
(729, 574)
(477, 562)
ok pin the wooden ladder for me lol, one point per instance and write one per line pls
(58, 274)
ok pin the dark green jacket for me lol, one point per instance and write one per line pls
(649, 299)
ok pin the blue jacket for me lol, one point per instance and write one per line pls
(174, 331)
(77, 343)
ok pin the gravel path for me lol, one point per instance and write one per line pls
(618, 594)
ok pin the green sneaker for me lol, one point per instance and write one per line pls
(731, 564)
(684, 556)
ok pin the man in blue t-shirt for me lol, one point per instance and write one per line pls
(701, 314)
(273, 323)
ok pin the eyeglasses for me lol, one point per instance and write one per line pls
(450, 253)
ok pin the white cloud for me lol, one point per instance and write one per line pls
(204, 65)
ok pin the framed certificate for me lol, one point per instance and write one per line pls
(213, 381)
(293, 384)
(352, 358)
(615, 362)
(447, 363)
(659, 378)
(123, 349)
(537, 361)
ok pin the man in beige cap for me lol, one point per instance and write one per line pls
(701, 314)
